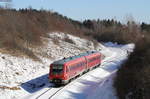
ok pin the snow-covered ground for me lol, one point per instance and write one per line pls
(30, 77)
(21, 76)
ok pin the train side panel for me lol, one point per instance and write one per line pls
(75, 67)
(93, 60)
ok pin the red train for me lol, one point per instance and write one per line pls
(64, 70)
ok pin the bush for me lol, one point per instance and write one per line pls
(133, 78)
(67, 39)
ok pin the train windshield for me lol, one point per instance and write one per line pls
(57, 69)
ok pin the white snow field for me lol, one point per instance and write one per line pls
(31, 77)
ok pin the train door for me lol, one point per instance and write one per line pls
(86, 62)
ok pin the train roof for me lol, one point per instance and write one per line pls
(64, 60)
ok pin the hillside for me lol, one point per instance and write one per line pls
(24, 28)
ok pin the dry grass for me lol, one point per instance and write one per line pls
(9, 88)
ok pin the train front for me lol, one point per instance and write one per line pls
(57, 74)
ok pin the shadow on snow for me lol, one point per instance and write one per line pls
(36, 84)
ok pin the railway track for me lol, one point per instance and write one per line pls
(51, 92)
(55, 93)
(43, 93)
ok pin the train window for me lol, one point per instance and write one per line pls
(77, 65)
(94, 58)
(71, 68)
(57, 69)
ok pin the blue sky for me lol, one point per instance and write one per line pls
(93, 9)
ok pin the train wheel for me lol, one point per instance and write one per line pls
(69, 81)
